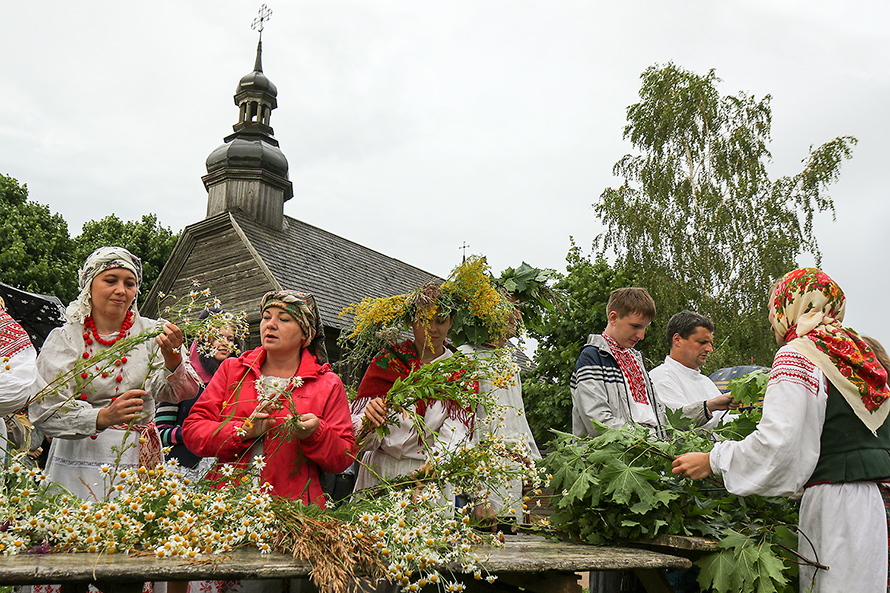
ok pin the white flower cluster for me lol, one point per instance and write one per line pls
(417, 532)
(155, 510)
(488, 465)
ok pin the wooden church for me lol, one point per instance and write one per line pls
(246, 245)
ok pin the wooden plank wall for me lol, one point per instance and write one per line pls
(222, 263)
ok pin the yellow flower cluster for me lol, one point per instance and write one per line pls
(479, 301)
(372, 314)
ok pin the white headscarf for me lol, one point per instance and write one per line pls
(104, 258)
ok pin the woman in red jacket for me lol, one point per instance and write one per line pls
(281, 402)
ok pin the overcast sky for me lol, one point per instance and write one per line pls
(412, 126)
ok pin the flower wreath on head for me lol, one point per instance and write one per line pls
(378, 322)
(484, 314)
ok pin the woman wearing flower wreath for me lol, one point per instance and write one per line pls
(515, 299)
(430, 315)
(825, 429)
(280, 401)
(109, 421)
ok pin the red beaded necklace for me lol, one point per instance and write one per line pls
(90, 325)
(90, 333)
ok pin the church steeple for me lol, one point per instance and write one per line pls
(249, 172)
(256, 96)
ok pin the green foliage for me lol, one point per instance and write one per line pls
(530, 287)
(35, 249)
(38, 254)
(453, 380)
(697, 217)
(618, 487)
(749, 389)
(586, 287)
(745, 563)
(146, 239)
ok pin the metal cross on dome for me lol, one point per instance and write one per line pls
(264, 14)
(464, 248)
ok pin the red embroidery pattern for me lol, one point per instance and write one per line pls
(13, 339)
(793, 367)
(631, 370)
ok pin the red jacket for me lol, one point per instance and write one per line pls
(290, 465)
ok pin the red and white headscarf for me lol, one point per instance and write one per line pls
(806, 312)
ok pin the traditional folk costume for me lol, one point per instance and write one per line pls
(824, 429)
(18, 371)
(610, 385)
(291, 466)
(402, 451)
(79, 451)
(513, 428)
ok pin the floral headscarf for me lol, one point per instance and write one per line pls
(806, 312)
(104, 258)
(302, 306)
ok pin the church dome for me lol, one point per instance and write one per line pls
(247, 153)
(256, 82)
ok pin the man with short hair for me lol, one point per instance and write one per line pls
(610, 383)
(678, 381)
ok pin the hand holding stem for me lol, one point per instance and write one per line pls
(123, 409)
(170, 341)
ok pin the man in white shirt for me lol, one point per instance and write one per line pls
(679, 382)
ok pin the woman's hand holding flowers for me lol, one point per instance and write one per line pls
(170, 342)
(305, 425)
(122, 410)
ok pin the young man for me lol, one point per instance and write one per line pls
(610, 383)
(678, 381)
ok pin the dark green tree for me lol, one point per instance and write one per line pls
(35, 248)
(698, 220)
(546, 395)
(146, 239)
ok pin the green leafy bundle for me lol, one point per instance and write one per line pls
(530, 287)
(618, 487)
(453, 379)
(748, 390)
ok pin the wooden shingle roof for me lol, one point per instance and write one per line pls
(337, 271)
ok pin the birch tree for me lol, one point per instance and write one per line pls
(698, 220)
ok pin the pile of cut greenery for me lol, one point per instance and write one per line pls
(618, 488)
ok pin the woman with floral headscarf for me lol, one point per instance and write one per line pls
(280, 402)
(114, 412)
(824, 429)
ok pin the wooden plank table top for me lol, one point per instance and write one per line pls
(521, 554)
(680, 545)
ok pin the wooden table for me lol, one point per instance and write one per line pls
(532, 562)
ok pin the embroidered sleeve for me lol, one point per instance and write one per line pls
(793, 367)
